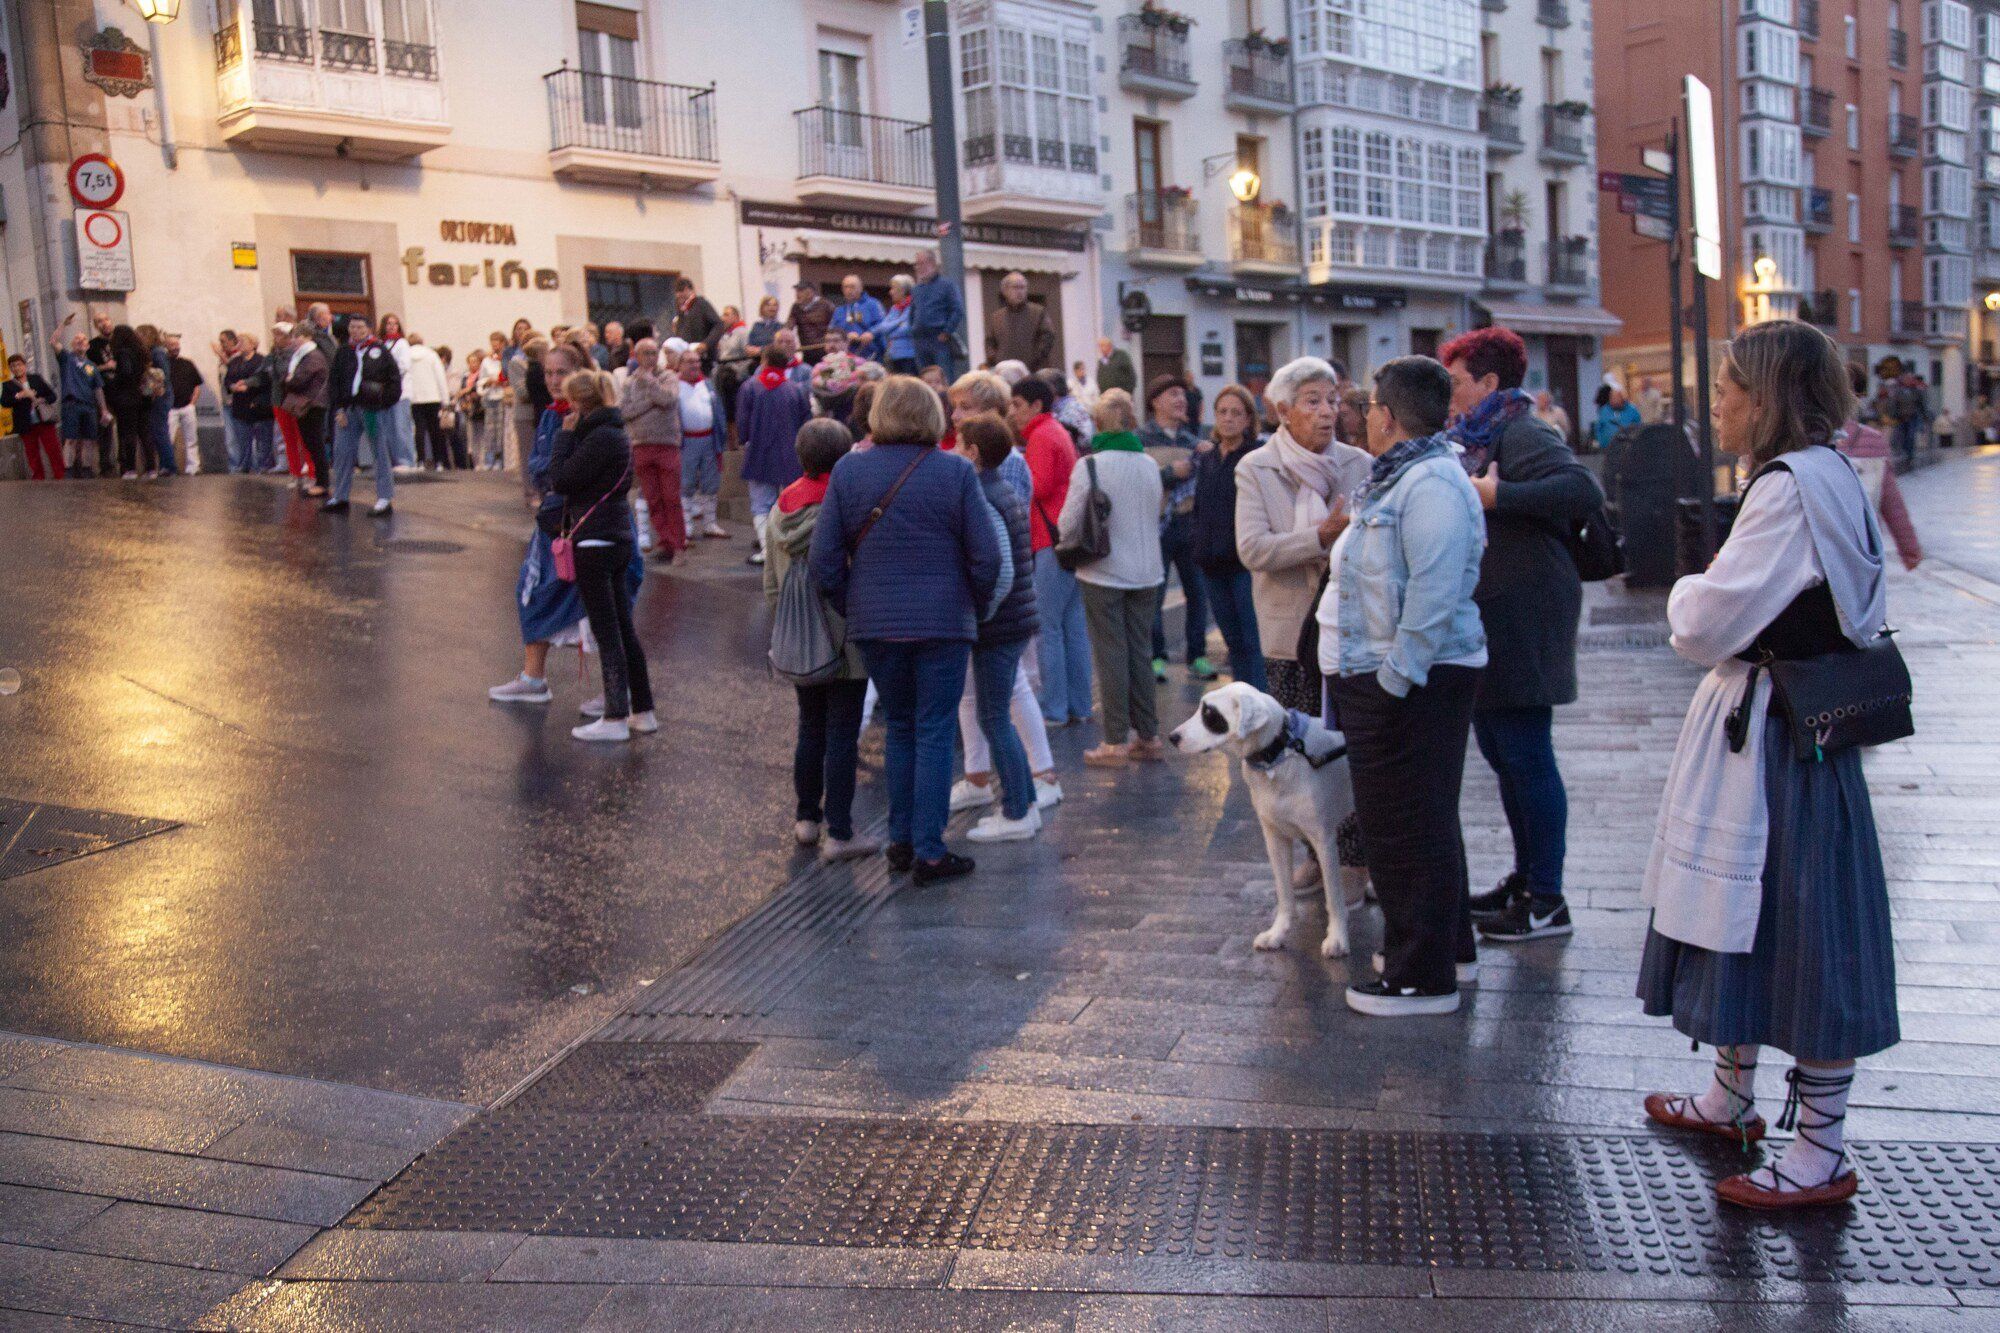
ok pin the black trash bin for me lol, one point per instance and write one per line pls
(1644, 472)
(1687, 532)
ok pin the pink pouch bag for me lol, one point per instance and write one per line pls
(562, 550)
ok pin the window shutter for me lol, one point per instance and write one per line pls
(606, 19)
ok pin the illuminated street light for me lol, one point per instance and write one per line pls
(158, 11)
(1244, 184)
(1993, 301)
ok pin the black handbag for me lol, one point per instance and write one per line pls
(1093, 529)
(1835, 701)
(1597, 547)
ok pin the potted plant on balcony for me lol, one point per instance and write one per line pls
(1176, 193)
(1503, 94)
(1156, 15)
(1258, 40)
(1514, 216)
(1571, 109)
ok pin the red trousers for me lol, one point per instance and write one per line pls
(40, 441)
(657, 468)
(296, 456)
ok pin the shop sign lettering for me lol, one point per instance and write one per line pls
(482, 273)
(477, 233)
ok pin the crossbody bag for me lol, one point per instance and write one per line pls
(562, 550)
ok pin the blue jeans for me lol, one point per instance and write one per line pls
(250, 445)
(1517, 744)
(356, 422)
(763, 498)
(919, 683)
(827, 754)
(1236, 617)
(1065, 650)
(403, 442)
(993, 671)
(162, 437)
(930, 352)
(1177, 553)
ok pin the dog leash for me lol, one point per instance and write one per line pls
(1295, 741)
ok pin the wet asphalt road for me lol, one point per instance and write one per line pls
(382, 878)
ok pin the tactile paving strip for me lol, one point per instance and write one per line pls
(1622, 1205)
(35, 836)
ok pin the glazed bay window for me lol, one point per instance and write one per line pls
(312, 75)
(1436, 39)
(1029, 145)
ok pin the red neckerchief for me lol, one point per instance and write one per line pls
(691, 376)
(682, 304)
(805, 491)
(559, 406)
(900, 305)
(771, 377)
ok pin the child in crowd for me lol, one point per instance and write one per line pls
(835, 377)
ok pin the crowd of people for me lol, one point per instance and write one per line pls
(992, 550)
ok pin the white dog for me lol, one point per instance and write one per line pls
(1299, 785)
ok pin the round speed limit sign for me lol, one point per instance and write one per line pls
(95, 181)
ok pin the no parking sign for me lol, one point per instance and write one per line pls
(104, 250)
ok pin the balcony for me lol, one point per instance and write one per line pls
(1903, 138)
(1161, 229)
(1906, 318)
(607, 129)
(1022, 178)
(1153, 56)
(302, 88)
(1986, 264)
(1552, 13)
(1493, 6)
(1902, 224)
(1569, 265)
(1946, 324)
(1264, 238)
(1260, 77)
(1563, 139)
(1500, 117)
(1818, 210)
(1899, 49)
(846, 157)
(1816, 115)
(1507, 260)
(1821, 308)
(1808, 20)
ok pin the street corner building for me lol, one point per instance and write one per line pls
(1217, 187)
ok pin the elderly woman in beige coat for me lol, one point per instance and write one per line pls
(1291, 503)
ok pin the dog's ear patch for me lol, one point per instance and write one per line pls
(1212, 718)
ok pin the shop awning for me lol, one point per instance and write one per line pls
(1524, 318)
(883, 250)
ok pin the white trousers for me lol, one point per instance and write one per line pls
(181, 430)
(1027, 712)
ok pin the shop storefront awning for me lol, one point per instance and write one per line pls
(1524, 318)
(882, 250)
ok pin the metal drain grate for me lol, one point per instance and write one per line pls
(1623, 640)
(421, 545)
(630, 1078)
(35, 836)
(1627, 1206)
(751, 966)
(1647, 612)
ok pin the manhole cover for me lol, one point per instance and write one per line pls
(423, 545)
(35, 836)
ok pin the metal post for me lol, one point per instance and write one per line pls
(944, 143)
(1675, 242)
(1706, 487)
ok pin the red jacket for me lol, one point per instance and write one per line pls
(1051, 458)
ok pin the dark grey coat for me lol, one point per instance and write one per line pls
(1529, 596)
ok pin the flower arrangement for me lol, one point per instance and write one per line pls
(1155, 15)
(1506, 94)
(1258, 40)
(1572, 109)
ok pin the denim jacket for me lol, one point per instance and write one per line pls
(1408, 571)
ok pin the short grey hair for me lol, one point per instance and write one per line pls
(1295, 375)
(903, 283)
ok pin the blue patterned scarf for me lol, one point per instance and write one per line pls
(1479, 430)
(1395, 460)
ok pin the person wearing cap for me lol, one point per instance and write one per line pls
(811, 316)
(1172, 443)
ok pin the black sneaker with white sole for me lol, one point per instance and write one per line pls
(1528, 919)
(1379, 999)
(1496, 900)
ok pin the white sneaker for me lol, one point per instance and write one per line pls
(642, 519)
(969, 795)
(848, 849)
(520, 690)
(645, 723)
(1468, 973)
(381, 507)
(715, 530)
(997, 827)
(1048, 795)
(592, 707)
(805, 832)
(604, 729)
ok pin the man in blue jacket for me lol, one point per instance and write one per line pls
(937, 319)
(857, 313)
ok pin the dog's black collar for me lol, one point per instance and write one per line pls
(1269, 756)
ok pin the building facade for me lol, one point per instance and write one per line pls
(566, 160)
(1846, 158)
(1540, 263)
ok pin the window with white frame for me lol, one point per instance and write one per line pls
(1854, 310)
(1344, 169)
(1771, 153)
(1948, 22)
(1947, 280)
(1948, 191)
(1434, 39)
(1852, 37)
(1948, 105)
(1854, 218)
(1027, 84)
(1766, 51)
(1946, 62)
(1778, 11)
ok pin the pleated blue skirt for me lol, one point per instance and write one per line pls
(1820, 981)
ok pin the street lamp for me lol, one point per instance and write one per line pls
(1244, 184)
(1993, 302)
(158, 11)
